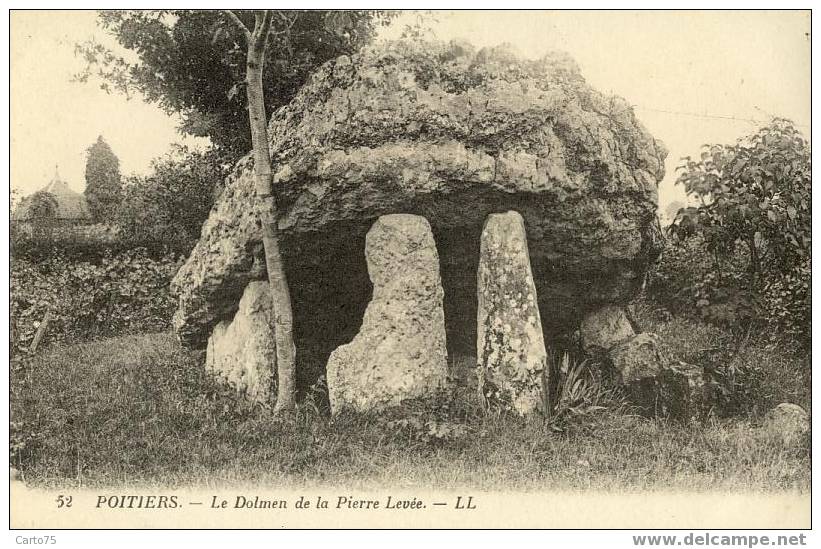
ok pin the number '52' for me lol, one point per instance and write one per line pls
(63, 501)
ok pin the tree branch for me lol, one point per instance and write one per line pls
(288, 21)
(265, 28)
(261, 30)
(238, 22)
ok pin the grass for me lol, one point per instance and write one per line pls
(139, 411)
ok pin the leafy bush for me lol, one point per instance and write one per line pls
(167, 208)
(787, 300)
(121, 293)
(741, 258)
(689, 281)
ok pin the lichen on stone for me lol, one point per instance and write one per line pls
(452, 134)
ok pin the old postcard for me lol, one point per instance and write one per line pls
(342, 269)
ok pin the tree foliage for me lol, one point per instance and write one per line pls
(103, 182)
(755, 193)
(166, 209)
(753, 226)
(42, 209)
(190, 62)
(42, 206)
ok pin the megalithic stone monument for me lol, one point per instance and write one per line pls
(242, 351)
(510, 345)
(399, 353)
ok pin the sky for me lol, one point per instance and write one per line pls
(55, 119)
(693, 78)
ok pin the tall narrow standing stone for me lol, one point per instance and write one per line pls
(242, 352)
(399, 353)
(510, 347)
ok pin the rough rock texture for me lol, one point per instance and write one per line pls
(787, 422)
(655, 382)
(682, 392)
(223, 262)
(604, 328)
(451, 134)
(510, 345)
(400, 351)
(639, 357)
(242, 351)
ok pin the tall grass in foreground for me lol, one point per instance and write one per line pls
(139, 410)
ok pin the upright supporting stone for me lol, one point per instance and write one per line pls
(510, 346)
(399, 353)
(242, 352)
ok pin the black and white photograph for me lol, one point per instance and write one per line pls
(417, 269)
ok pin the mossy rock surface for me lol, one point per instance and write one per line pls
(451, 134)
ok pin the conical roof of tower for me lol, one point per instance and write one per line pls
(71, 205)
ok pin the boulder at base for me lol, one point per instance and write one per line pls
(451, 134)
(510, 346)
(640, 357)
(787, 423)
(399, 353)
(604, 328)
(242, 351)
(656, 383)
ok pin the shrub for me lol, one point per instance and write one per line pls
(121, 293)
(71, 241)
(168, 207)
(741, 258)
(689, 281)
(787, 300)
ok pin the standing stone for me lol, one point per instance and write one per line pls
(399, 353)
(242, 352)
(605, 328)
(510, 344)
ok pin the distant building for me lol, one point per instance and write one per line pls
(72, 208)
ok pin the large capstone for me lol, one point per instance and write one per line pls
(400, 352)
(242, 351)
(510, 345)
(441, 131)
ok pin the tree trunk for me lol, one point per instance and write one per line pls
(283, 315)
